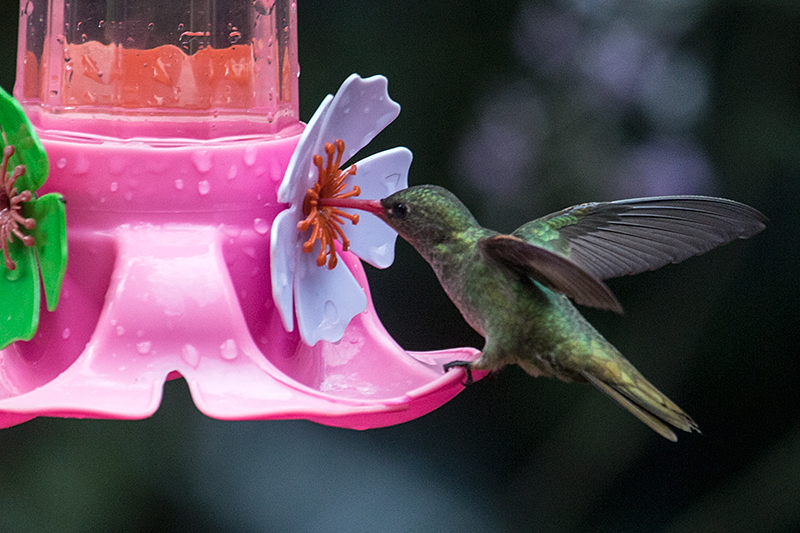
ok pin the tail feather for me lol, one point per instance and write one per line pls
(649, 406)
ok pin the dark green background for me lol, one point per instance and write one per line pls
(717, 333)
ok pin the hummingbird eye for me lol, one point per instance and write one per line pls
(400, 210)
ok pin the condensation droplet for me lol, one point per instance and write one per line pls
(202, 160)
(179, 184)
(261, 226)
(144, 347)
(113, 187)
(61, 163)
(29, 8)
(190, 354)
(232, 172)
(228, 350)
(66, 333)
(250, 156)
(120, 331)
(204, 187)
(330, 311)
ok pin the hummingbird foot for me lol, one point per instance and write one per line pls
(466, 365)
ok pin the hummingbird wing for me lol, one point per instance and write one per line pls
(612, 239)
(551, 270)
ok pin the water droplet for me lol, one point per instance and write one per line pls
(204, 187)
(151, 27)
(179, 184)
(261, 226)
(228, 350)
(61, 163)
(113, 187)
(144, 347)
(234, 37)
(231, 230)
(190, 355)
(232, 172)
(250, 155)
(66, 333)
(29, 8)
(330, 312)
(202, 160)
(120, 331)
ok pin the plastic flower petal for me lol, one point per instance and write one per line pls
(325, 300)
(32, 230)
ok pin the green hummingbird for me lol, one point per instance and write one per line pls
(516, 290)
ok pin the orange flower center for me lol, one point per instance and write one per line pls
(11, 206)
(326, 220)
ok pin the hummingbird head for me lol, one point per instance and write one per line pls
(426, 215)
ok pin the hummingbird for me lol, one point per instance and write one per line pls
(517, 290)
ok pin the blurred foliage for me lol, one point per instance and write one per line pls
(521, 108)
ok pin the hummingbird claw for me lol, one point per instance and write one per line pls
(466, 365)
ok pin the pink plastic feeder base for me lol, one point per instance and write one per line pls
(168, 274)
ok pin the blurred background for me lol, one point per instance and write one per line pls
(521, 108)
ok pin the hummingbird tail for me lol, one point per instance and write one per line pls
(656, 414)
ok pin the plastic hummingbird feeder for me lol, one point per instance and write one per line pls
(169, 127)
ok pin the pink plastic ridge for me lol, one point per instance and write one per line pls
(168, 276)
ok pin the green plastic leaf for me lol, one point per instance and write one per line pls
(19, 132)
(19, 296)
(51, 242)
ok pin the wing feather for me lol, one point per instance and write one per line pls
(611, 239)
(551, 270)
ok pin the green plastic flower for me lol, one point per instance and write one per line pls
(33, 230)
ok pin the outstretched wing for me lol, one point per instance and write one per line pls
(611, 239)
(551, 270)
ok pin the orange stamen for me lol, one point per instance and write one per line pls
(326, 221)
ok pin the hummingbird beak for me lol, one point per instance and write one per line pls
(370, 206)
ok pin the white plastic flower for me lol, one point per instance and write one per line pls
(313, 284)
